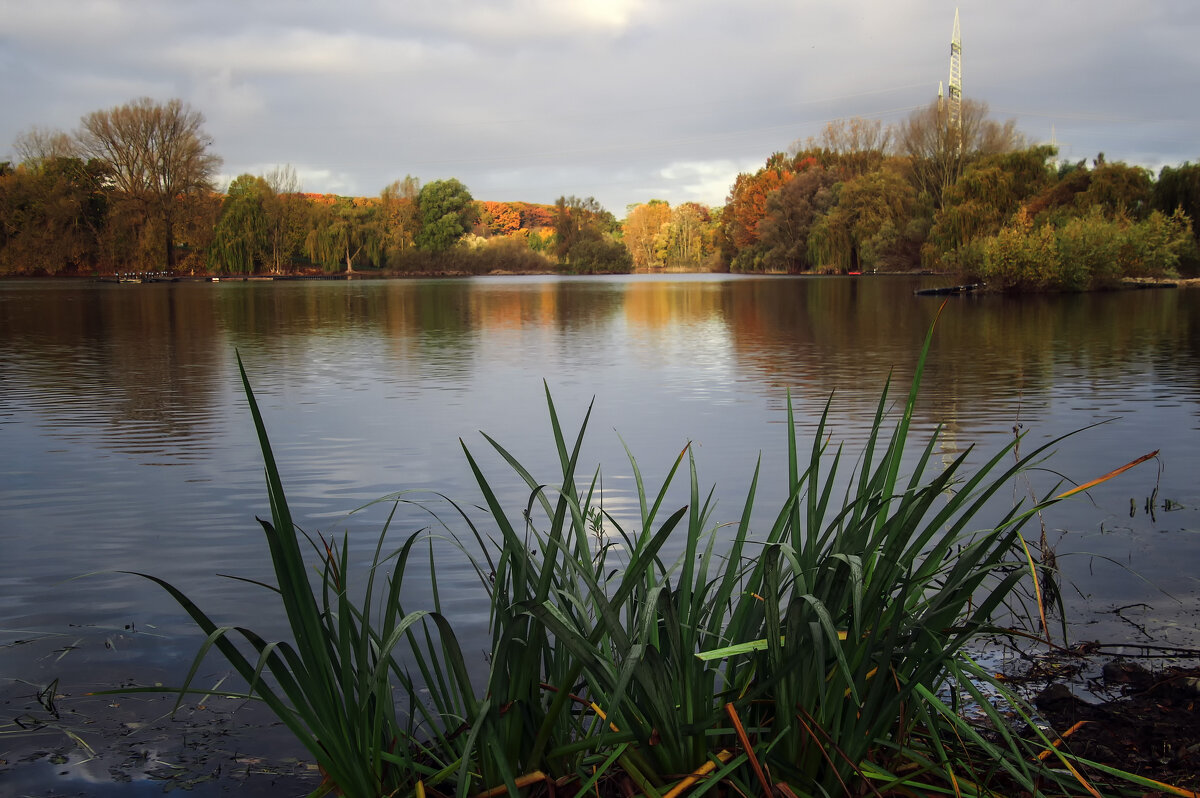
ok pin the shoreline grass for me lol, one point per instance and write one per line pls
(823, 656)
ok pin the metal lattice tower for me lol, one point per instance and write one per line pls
(954, 104)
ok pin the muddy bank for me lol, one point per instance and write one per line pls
(1147, 721)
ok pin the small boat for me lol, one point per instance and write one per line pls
(949, 289)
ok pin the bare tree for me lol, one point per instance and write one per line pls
(36, 146)
(283, 179)
(286, 211)
(845, 136)
(852, 146)
(938, 151)
(158, 154)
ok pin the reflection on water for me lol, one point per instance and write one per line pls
(128, 447)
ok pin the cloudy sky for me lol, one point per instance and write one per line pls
(623, 100)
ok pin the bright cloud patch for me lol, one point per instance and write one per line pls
(707, 182)
(605, 13)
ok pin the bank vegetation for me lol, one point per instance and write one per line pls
(132, 190)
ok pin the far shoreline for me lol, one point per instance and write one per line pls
(979, 288)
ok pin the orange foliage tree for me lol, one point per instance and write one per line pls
(500, 218)
(509, 219)
(747, 202)
(643, 230)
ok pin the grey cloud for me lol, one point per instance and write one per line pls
(621, 99)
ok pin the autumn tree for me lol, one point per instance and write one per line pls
(574, 220)
(157, 154)
(52, 217)
(584, 242)
(787, 223)
(447, 213)
(687, 237)
(535, 216)
(501, 218)
(644, 229)
(747, 202)
(399, 216)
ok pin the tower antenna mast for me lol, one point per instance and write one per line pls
(954, 100)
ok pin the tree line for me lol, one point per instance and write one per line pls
(133, 190)
(977, 200)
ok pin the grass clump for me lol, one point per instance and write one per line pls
(823, 656)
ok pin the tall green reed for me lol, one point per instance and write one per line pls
(822, 657)
(812, 658)
(336, 684)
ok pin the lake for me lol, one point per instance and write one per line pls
(128, 446)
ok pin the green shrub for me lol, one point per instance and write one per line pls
(1088, 250)
(1083, 252)
(1152, 248)
(1021, 256)
(599, 256)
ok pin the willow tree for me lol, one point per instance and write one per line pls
(158, 154)
(869, 226)
(986, 195)
(1119, 189)
(343, 230)
(241, 240)
(1178, 188)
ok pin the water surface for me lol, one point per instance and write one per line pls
(128, 446)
